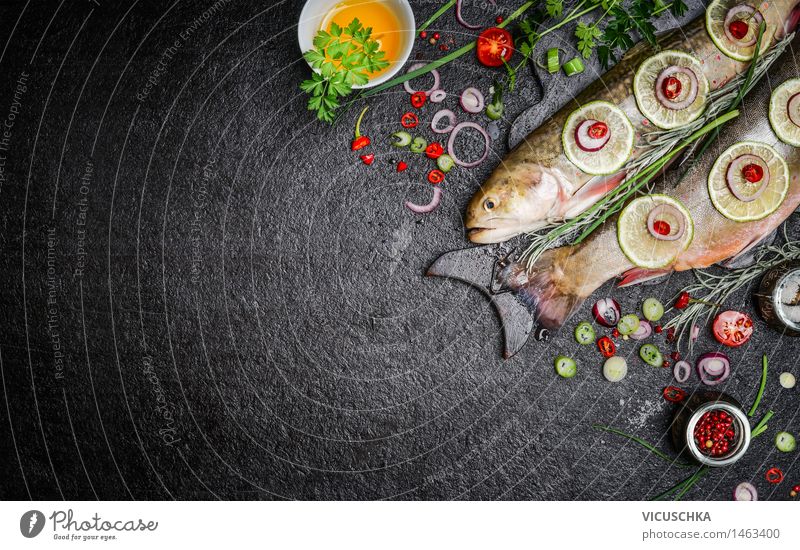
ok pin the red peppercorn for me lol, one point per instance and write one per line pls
(665, 364)
(615, 333)
(444, 47)
(436, 36)
(499, 19)
(683, 300)
(423, 35)
(675, 356)
(670, 334)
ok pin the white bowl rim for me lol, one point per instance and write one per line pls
(402, 59)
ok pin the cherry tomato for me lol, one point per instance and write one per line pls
(418, 99)
(436, 176)
(606, 346)
(494, 46)
(674, 395)
(774, 475)
(434, 151)
(409, 120)
(733, 328)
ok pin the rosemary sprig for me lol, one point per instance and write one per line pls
(659, 144)
(761, 387)
(762, 426)
(659, 453)
(716, 288)
(440, 12)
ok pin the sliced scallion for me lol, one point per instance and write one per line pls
(553, 63)
(573, 66)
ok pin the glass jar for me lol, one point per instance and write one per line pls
(714, 412)
(778, 298)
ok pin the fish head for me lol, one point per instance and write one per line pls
(515, 200)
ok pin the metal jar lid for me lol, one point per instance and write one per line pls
(742, 429)
(769, 300)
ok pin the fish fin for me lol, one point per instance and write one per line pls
(638, 275)
(543, 289)
(594, 190)
(746, 257)
(475, 267)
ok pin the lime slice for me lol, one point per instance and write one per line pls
(614, 153)
(743, 48)
(767, 200)
(636, 241)
(690, 96)
(784, 112)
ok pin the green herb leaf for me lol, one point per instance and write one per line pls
(678, 8)
(555, 8)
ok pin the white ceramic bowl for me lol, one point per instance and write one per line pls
(314, 13)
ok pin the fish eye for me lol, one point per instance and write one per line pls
(489, 204)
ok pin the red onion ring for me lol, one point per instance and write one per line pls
(713, 368)
(437, 96)
(427, 208)
(661, 210)
(433, 73)
(444, 113)
(732, 13)
(644, 331)
(745, 492)
(682, 371)
(472, 100)
(693, 87)
(451, 142)
(606, 311)
(793, 109)
(735, 168)
(585, 141)
(460, 19)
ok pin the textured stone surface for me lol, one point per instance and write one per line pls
(206, 295)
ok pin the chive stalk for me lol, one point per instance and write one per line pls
(761, 387)
(440, 12)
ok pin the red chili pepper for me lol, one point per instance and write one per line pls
(409, 120)
(418, 99)
(436, 176)
(434, 151)
(674, 395)
(359, 143)
(682, 301)
(401, 166)
(368, 159)
(606, 346)
(774, 475)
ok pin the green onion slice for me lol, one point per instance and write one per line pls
(553, 63)
(573, 66)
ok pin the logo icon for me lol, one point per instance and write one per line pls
(31, 523)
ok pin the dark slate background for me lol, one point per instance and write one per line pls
(206, 295)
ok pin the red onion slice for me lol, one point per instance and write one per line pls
(451, 144)
(606, 312)
(670, 214)
(713, 368)
(745, 492)
(693, 87)
(437, 96)
(472, 100)
(735, 179)
(461, 20)
(682, 371)
(747, 11)
(434, 73)
(585, 141)
(444, 113)
(644, 331)
(427, 208)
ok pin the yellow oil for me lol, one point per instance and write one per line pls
(372, 13)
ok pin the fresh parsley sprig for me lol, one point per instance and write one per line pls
(341, 58)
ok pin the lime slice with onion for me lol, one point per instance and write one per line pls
(598, 138)
(653, 230)
(748, 181)
(733, 27)
(671, 89)
(784, 112)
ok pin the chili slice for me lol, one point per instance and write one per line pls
(436, 176)
(434, 151)
(359, 143)
(409, 120)
(774, 475)
(606, 346)
(674, 395)
(418, 99)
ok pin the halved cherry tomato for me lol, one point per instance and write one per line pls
(494, 46)
(606, 346)
(733, 328)
(409, 120)
(434, 151)
(418, 99)
(674, 395)
(436, 176)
